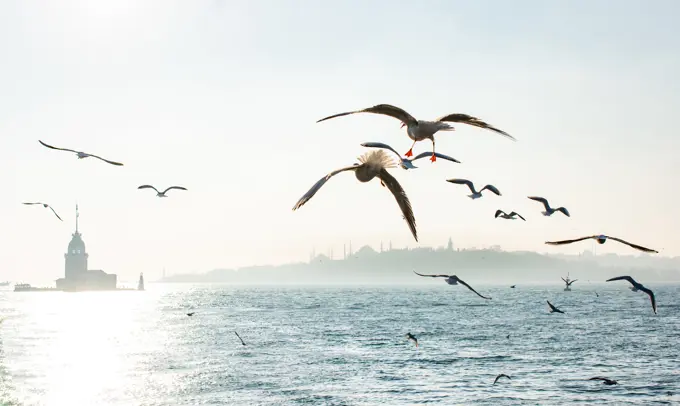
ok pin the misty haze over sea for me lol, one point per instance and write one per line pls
(488, 266)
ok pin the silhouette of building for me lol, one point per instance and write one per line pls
(449, 246)
(76, 275)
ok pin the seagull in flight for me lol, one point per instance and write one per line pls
(419, 130)
(374, 164)
(453, 280)
(549, 210)
(499, 377)
(605, 381)
(239, 337)
(568, 281)
(81, 154)
(637, 286)
(161, 194)
(601, 239)
(191, 314)
(407, 163)
(45, 205)
(513, 286)
(413, 338)
(510, 216)
(475, 194)
(554, 309)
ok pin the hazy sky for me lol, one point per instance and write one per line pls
(222, 98)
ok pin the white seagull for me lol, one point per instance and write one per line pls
(475, 194)
(374, 164)
(161, 194)
(510, 216)
(82, 155)
(419, 130)
(407, 163)
(637, 286)
(601, 239)
(453, 280)
(549, 210)
(45, 205)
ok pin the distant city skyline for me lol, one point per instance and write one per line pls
(223, 98)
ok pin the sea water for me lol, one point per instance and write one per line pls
(339, 346)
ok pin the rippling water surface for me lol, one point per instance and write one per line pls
(339, 346)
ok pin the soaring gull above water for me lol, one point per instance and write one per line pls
(454, 280)
(413, 338)
(374, 164)
(637, 286)
(549, 210)
(475, 194)
(499, 377)
(512, 216)
(568, 281)
(82, 155)
(161, 194)
(407, 163)
(419, 130)
(601, 239)
(45, 205)
(605, 381)
(239, 337)
(553, 309)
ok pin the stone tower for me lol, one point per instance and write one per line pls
(75, 257)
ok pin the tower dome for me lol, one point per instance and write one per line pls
(77, 245)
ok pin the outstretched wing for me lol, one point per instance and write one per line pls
(311, 192)
(491, 188)
(437, 154)
(637, 247)
(470, 287)
(542, 200)
(563, 242)
(554, 309)
(498, 213)
(106, 160)
(174, 187)
(499, 377)
(473, 121)
(402, 200)
(514, 213)
(563, 210)
(651, 296)
(431, 276)
(380, 145)
(623, 278)
(55, 213)
(31, 203)
(598, 378)
(239, 337)
(463, 182)
(385, 109)
(59, 149)
(148, 187)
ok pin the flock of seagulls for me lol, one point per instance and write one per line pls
(375, 164)
(83, 155)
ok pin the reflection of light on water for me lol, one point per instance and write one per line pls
(76, 355)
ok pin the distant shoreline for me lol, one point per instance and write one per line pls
(395, 267)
